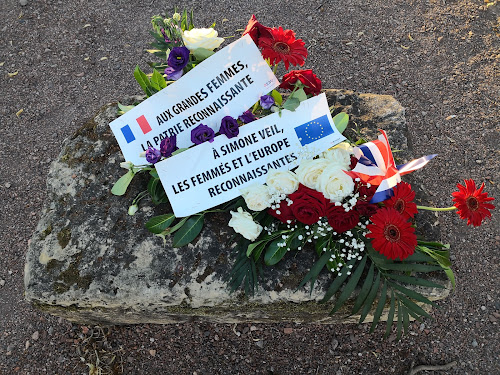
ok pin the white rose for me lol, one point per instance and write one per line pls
(201, 38)
(335, 184)
(309, 171)
(339, 155)
(242, 223)
(257, 197)
(283, 182)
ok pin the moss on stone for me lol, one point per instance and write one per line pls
(64, 236)
(46, 232)
(72, 276)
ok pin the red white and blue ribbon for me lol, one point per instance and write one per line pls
(376, 166)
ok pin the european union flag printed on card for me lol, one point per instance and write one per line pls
(313, 130)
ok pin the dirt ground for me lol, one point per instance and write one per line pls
(439, 58)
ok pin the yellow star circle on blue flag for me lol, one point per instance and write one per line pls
(313, 130)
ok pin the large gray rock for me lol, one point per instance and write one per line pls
(89, 261)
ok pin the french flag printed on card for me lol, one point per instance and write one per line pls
(129, 134)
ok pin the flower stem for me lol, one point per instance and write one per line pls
(452, 208)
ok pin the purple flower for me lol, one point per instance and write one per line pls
(168, 145)
(173, 75)
(178, 58)
(266, 101)
(153, 155)
(202, 133)
(247, 117)
(229, 126)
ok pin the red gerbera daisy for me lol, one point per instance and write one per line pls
(282, 45)
(256, 30)
(471, 203)
(392, 235)
(402, 201)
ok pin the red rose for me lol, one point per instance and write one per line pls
(354, 162)
(340, 220)
(365, 193)
(285, 212)
(365, 208)
(307, 77)
(256, 30)
(308, 205)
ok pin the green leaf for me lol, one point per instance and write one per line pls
(154, 173)
(202, 53)
(275, 253)
(258, 251)
(390, 317)
(409, 267)
(369, 300)
(175, 228)
(413, 306)
(322, 243)
(191, 26)
(189, 231)
(158, 224)
(184, 20)
(315, 270)
(158, 79)
(335, 285)
(178, 151)
(450, 275)
(380, 307)
(438, 245)
(120, 186)
(414, 280)
(299, 94)
(143, 80)
(442, 257)
(365, 289)
(350, 286)
(406, 318)
(412, 294)
(341, 120)
(125, 108)
(417, 256)
(400, 322)
(291, 104)
(253, 245)
(156, 191)
(278, 99)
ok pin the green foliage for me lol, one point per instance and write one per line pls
(278, 99)
(158, 224)
(245, 270)
(201, 54)
(120, 186)
(144, 82)
(341, 120)
(189, 230)
(156, 191)
(275, 252)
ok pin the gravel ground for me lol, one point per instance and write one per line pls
(438, 58)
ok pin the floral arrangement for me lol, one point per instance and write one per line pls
(348, 205)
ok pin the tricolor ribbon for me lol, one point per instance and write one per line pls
(376, 166)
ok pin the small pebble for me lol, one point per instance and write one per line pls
(35, 336)
(260, 344)
(483, 308)
(474, 343)
(287, 330)
(7, 185)
(23, 2)
(2, 282)
(152, 352)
